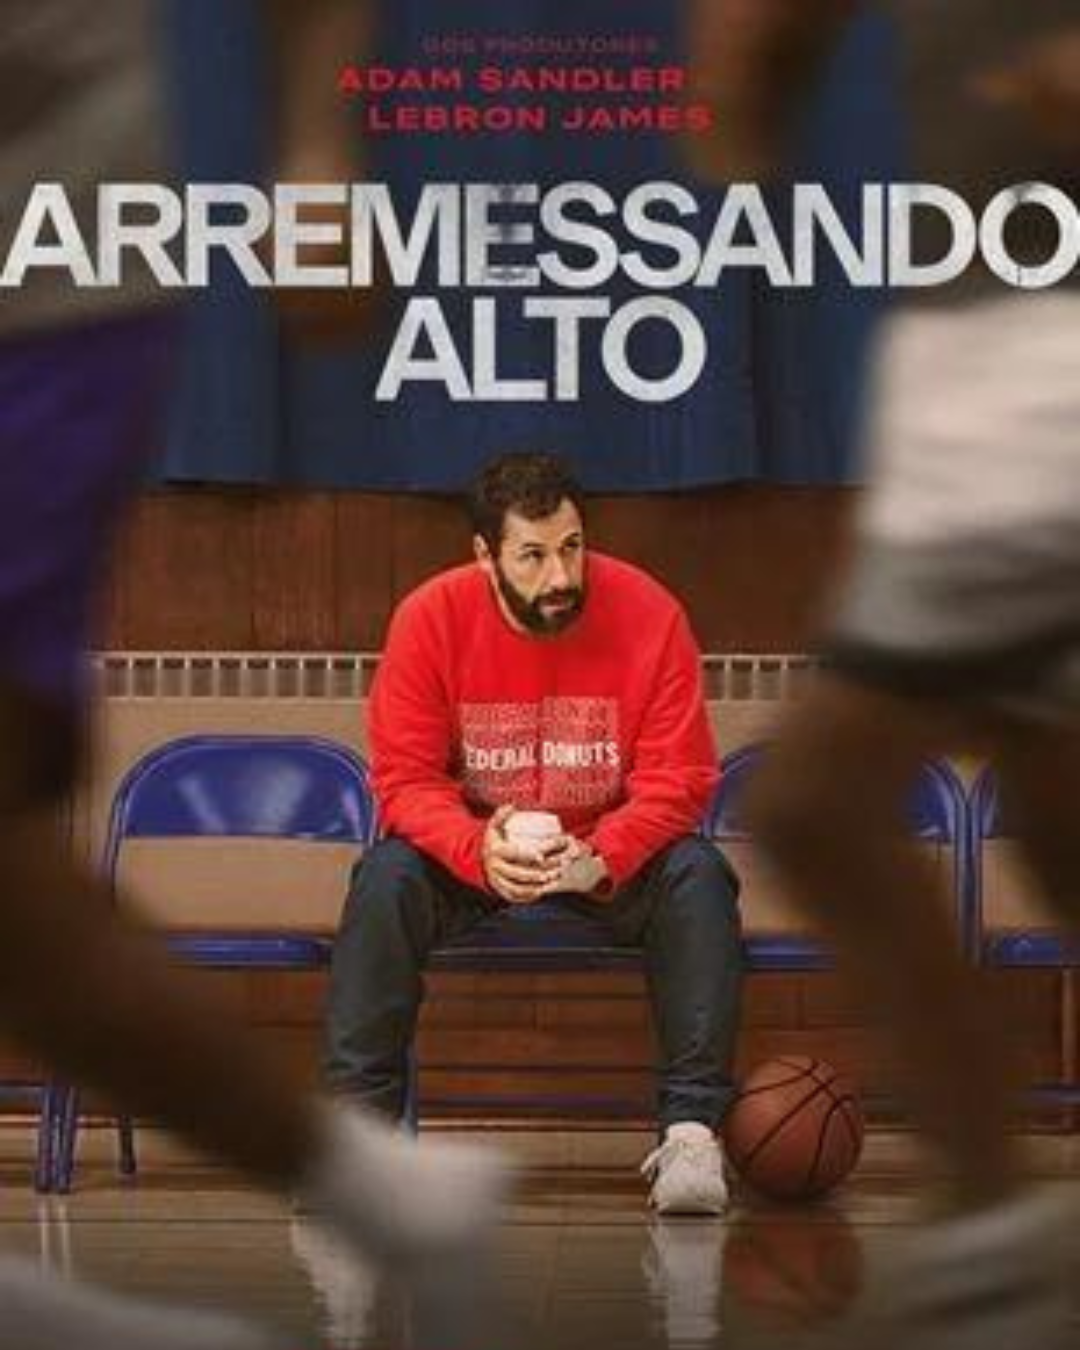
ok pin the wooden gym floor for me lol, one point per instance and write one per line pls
(580, 1263)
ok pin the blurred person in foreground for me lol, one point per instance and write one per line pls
(82, 379)
(959, 619)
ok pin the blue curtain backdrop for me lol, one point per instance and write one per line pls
(778, 400)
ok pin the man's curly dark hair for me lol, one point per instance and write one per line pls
(534, 485)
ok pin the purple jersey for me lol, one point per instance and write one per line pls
(79, 413)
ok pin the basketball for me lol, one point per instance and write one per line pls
(796, 1128)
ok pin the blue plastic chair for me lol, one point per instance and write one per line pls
(937, 814)
(1039, 947)
(224, 786)
(33, 1095)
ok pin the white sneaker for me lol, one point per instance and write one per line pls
(687, 1172)
(681, 1266)
(43, 1313)
(994, 1279)
(345, 1285)
(396, 1197)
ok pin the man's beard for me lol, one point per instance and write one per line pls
(531, 614)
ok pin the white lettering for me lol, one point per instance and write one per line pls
(995, 250)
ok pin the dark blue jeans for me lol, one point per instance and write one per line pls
(680, 908)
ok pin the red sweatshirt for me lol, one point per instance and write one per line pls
(604, 723)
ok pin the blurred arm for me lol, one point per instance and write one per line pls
(1043, 87)
(313, 39)
(317, 141)
(753, 61)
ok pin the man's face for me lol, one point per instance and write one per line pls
(539, 573)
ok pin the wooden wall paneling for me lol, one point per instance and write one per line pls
(828, 1000)
(854, 1050)
(815, 527)
(430, 534)
(185, 571)
(496, 984)
(532, 1045)
(110, 618)
(617, 1016)
(294, 583)
(770, 555)
(616, 525)
(476, 1011)
(18, 1064)
(570, 983)
(453, 1091)
(750, 564)
(747, 569)
(669, 538)
(298, 1050)
(293, 998)
(120, 604)
(208, 568)
(770, 1000)
(363, 531)
(1030, 1003)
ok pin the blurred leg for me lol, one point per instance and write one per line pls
(103, 1003)
(1039, 766)
(97, 998)
(830, 810)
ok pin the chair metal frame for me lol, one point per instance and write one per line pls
(256, 950)
(32, 1094)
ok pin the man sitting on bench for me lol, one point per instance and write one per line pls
(545, 677)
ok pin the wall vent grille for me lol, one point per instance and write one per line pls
(344, 675)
